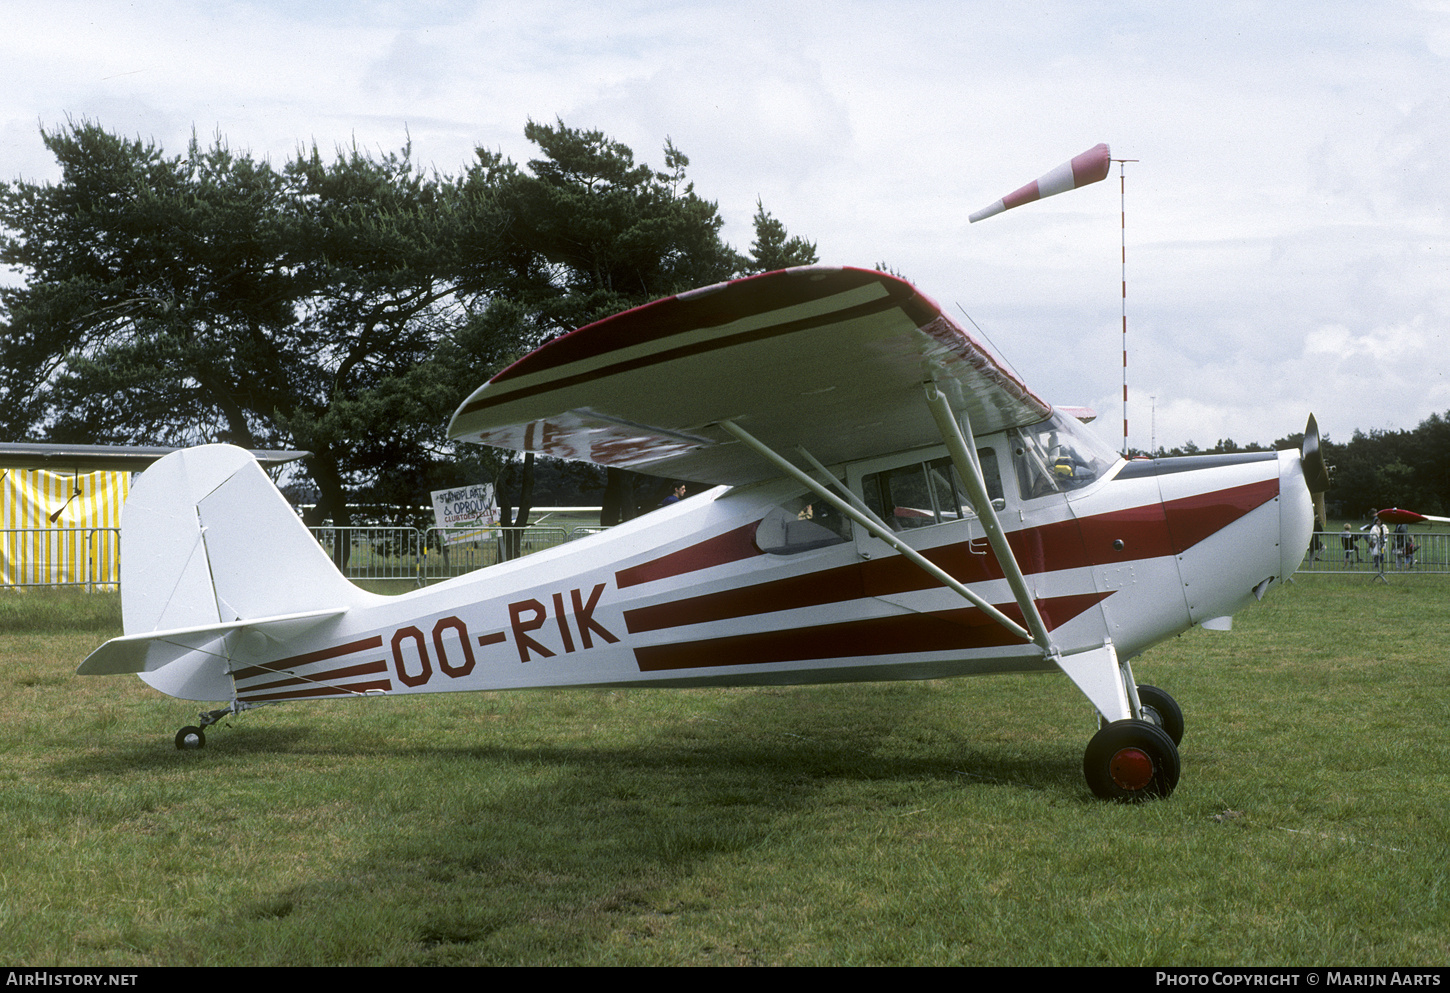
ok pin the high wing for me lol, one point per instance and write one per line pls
(830, 359)
(96, 458)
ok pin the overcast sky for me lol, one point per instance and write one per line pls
(1287, 244)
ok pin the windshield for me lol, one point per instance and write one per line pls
(1058, 455)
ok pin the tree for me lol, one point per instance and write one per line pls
(344, 306)
(589, 232)
(773, 248)
(134, 263)
(208, 296)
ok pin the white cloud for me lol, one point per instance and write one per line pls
(1285, 223)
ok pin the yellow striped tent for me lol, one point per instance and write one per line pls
(60, 528)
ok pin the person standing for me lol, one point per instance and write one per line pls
(1349, 541)
(1378, 539)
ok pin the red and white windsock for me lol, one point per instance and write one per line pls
(1394, 515)
(1089, 167)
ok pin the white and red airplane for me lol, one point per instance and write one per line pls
(889, 502)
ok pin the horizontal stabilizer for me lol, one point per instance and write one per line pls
(153, 650)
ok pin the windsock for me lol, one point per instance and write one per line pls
(1394, 515)
(1089, 167)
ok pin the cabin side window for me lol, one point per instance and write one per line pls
(800, 525)
(924, 494)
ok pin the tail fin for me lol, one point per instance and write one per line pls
(208, 547)
(207, 539)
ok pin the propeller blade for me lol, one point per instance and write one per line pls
(1316, 473)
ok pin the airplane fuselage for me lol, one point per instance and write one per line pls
(714, 591)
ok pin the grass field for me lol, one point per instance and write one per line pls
(926, 823)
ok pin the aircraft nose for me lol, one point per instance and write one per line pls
(1296, 513)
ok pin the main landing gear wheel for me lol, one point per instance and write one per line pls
(190, 738)
(1129, 761)
(1161, 709)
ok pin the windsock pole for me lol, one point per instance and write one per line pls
(1123, 213)
(1090, 167)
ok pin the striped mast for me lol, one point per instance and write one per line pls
(1090, 167)
(1123, 216)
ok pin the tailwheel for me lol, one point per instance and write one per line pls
(189, 738)
(1161, 709)
(1130, 761)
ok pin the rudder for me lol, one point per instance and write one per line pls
(207, 538)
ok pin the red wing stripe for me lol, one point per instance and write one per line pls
(679, 317)
(962, 629)
(619, 366)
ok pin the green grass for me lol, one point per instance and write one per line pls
(59, 609)
(920, 823)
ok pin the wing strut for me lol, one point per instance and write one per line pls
(877, 529)
(964, 456)
(1104, 679)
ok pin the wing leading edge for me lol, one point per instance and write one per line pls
(831, 359)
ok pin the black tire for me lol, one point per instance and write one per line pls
(190, 739)
(1165, 711)
(1130, 761)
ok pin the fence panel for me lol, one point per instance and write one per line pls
(449, 552)
(87, 557)
(90, 557)
(103, 556)
(372, 552)
(1423, 552)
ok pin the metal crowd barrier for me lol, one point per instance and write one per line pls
(449, 552)
(371, 552)
(88, 557)
(1430, 554)
(429, 555)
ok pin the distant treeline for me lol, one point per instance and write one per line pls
(1374, 469)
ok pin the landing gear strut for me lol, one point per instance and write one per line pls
(192, 738)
